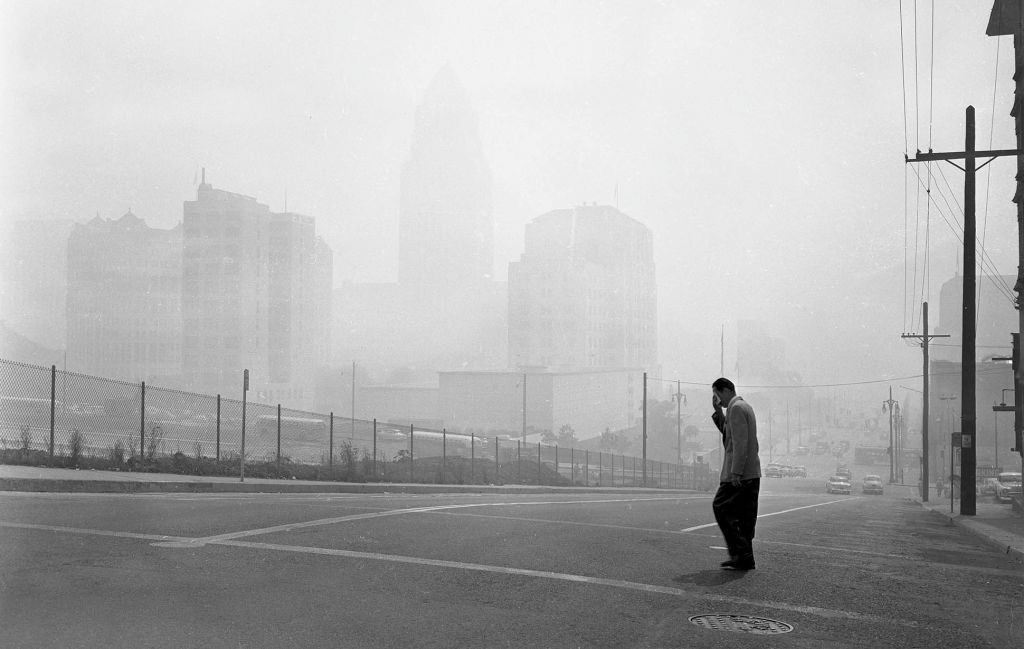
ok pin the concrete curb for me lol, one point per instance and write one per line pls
(1005, 542)
(157, 486)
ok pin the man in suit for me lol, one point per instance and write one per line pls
(735, 503)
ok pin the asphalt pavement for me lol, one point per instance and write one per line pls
(998, 524)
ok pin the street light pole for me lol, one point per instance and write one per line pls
(887, 407)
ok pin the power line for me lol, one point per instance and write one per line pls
(823, 385)
(994, 275)
(984, 253)
(988, 176)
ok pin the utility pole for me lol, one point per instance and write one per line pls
(1007, 17)
(887, 407)
(645, 431)
(679, 424)
(925, 339)
(353, 400)
(524, 407)
(968, 384)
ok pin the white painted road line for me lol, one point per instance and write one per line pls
(83, 530)
(784, 511)
(289, 527)
(582, 579)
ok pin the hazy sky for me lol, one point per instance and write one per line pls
(761, 141)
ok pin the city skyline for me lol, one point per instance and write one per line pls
(768, 165)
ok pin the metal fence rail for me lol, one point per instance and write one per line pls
(51, 416)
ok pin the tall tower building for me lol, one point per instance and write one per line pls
(300, 268)
(256, 295)
(446, 225)
(583, 294)
(124, 300)
(225, 289)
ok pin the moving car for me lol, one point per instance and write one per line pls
(800, 471)
(872, 485)
(1008, 484)
(844, 471)
(837, 485)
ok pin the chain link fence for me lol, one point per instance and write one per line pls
(59, 418)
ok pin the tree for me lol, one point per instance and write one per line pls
(609, 440)
(566, 436)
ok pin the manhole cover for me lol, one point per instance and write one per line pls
(741, 623)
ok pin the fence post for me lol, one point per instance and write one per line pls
(330, 443)
(519, 461)
(245, 389)
(374, 447)
(472, 458)
(444, 454)
(496, 480)
(586, 467)
(218, 428)
(572, 466)
(53, 403)
(142, 423)
(278, 440)
(557, 471)
(539, 463)
(412, 435)
(600, 469)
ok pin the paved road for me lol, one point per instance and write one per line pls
(491, 570)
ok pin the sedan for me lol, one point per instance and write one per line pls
(837, 485)
(872, 485)
(1008, 484)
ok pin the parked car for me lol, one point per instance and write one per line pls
(837, 485)
(802, 450)
(844, 471)
(1008, 484)
(800, 471)
(773, 471)
(988, 487)
(872, 485)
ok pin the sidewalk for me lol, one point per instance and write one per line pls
(30, 478)
(1000, 525)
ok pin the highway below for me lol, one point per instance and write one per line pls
(605, 569)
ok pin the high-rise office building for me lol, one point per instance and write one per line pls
(583, 294)
(446, 225)
(256, 295)
(124, 300)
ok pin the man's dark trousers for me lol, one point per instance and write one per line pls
(736, 513)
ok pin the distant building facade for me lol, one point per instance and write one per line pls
(583, 294)
(587, 401)
(255, 293)
(33, 280)
(996, 318)
(123, 304)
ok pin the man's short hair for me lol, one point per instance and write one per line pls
(723, 384)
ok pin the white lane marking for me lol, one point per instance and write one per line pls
(582, 579)
(93, 532)
(288, 527)
(577, 523)
(784, 511)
